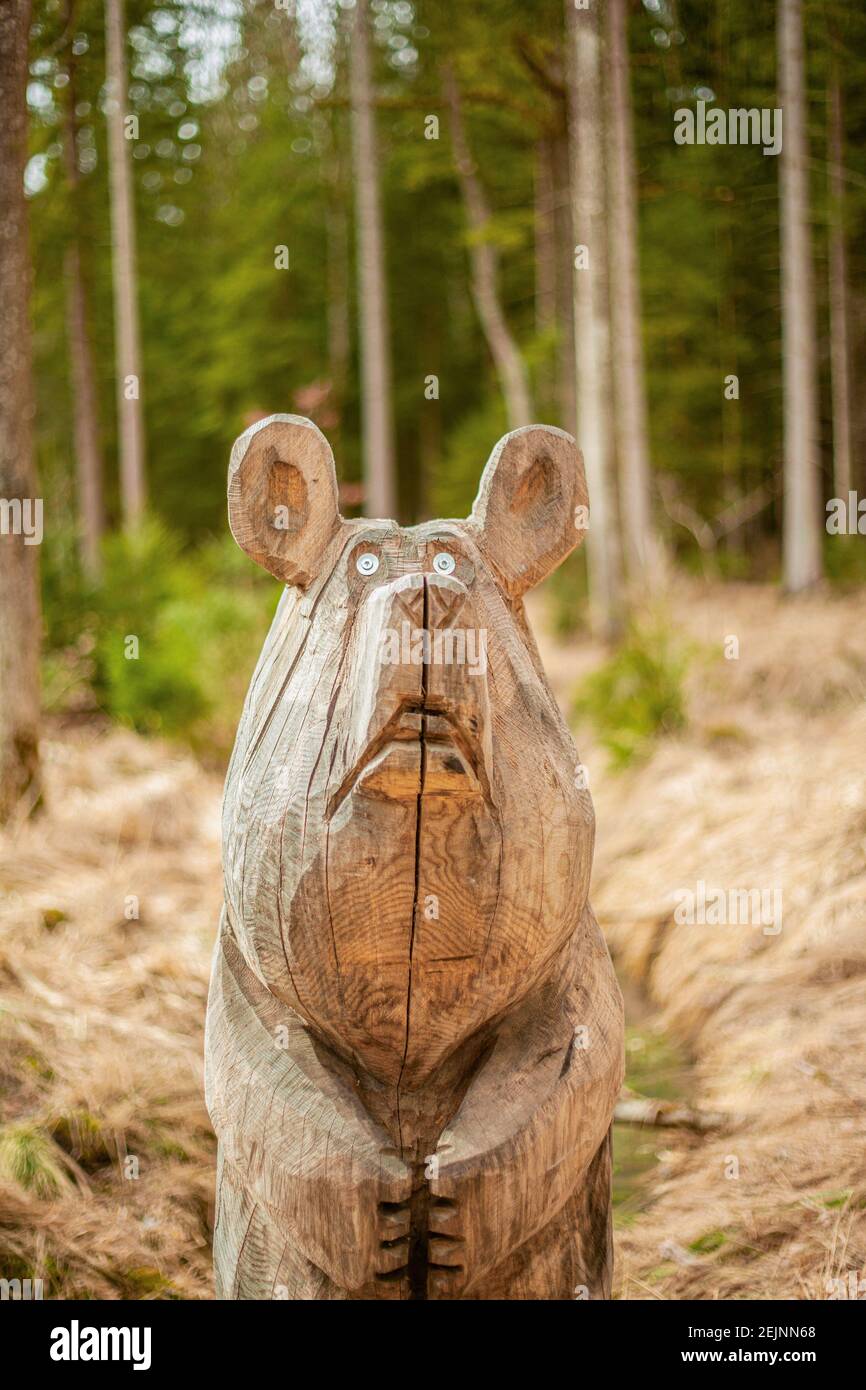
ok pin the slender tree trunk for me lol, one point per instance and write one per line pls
(88, 456)
(628, 366)
(544, 222)
(802, 502)
(127, 348)
(734, 483)
(838, 276)
(510, 366)
(566, 366)
(378, 461)
(429, 426)
(338, 301)
(591, 314)
(338, 274)
(19, 579)
(545, 237)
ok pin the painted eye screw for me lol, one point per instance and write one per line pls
(443, 563)
(367, 563)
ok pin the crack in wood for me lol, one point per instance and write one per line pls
(422, 978)
(419, 1201)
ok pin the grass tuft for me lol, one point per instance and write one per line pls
(637, 696)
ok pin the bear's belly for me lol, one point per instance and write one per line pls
(412, 881)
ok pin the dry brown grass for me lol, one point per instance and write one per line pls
(101, 1017)
(767, 788)
(101, 1024)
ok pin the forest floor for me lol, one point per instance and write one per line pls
(765, 788)
(109, 906)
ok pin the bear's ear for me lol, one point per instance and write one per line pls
(532, 507)
(282, 495)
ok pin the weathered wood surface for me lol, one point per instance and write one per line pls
(414, 1041)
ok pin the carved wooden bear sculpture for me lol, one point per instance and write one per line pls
(414, 1040)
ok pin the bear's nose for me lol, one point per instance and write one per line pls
(445, 598)
(429, 600)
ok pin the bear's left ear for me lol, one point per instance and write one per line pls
(282, 495)
(532, 507)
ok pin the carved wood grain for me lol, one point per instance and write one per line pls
(414, 1040)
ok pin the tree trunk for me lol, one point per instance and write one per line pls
(339, 344)
(632, 431)
(802, 502)
(378, 446)
(545, 263)
(591, 314)
(126, 349)
(19, 580)
(510, 366)
(88, 456)
(335, 175)
(838, 276)
(566, 369)
(545, 237)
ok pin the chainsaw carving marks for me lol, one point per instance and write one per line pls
(414, 1038)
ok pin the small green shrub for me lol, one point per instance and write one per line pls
(638, 695)
(567, 591)
(28, 1158)
(165, 641)
(845, 560)
(708, 1243)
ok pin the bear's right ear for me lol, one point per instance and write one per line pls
(532, 507)
(282, 495)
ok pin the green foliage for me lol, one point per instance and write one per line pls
(834, 1200)
(228, 169)
(28, 1158)
(638, 695)
(845, 560)
(167, 640)
(242, 148)
(708, 1243)
(654, 1066)
(145, 1282)
(200, 621)
(148, 662)
(225, 170)
(568, 592)
(83, 1135)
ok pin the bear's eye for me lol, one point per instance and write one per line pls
(367, 563)
(444, 563)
